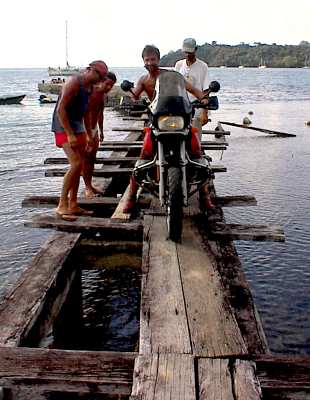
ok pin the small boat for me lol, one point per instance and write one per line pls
(43, 99)
(11, 99)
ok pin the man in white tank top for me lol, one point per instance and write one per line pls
(195, 72)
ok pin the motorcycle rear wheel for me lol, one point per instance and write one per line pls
(175, 204)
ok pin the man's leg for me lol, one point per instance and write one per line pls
(71, 179)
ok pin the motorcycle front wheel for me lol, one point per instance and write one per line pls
(175, 204)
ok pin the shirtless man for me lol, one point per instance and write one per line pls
(70, 133)
(93, 119)
(146, 83)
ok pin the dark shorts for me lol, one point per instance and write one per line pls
(61, 138)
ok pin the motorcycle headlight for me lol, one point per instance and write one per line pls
(170, 123)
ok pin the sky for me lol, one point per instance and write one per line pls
(33, 31)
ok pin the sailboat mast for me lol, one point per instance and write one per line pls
(67, 64)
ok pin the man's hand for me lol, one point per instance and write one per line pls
(101, 137)
(90, 144)
(72, 140)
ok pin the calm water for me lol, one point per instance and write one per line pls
(275, 170)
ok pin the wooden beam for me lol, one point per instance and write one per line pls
(36, 286)
(52, 201)
(102, 173)
(108, 172)
(90, 225)
(118, 214)
(164, 376)
(91, 372)
(212, 324)
(235, 201)
(140, 143)
(99, 160)
(283, 372)
(248, 232)
(269, 131)
(163, 321)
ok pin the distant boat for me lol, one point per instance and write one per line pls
(241, 66)
(223, 66)
(4, 100)
(68, 69)
(43, 99)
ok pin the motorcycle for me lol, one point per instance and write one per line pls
(175, 173)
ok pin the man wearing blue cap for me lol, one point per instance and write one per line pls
(196, 73)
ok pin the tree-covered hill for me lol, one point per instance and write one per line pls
(276, 56)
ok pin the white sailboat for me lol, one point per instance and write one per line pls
(68, 69)
(262, 63)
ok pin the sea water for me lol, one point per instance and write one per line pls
(275, 170)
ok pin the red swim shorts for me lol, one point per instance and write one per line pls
(61, 138)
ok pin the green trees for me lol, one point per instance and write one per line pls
(271, 55)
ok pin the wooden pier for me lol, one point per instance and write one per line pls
(200, 334)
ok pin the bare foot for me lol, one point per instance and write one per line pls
(65, 214)
(97, 191)
(90, 194)
(80, 211)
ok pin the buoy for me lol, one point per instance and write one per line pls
(307, 123)
(250, 112)
(246, 121)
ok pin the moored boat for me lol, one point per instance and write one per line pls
(4, 100)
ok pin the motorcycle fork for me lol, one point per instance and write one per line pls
(162, 164)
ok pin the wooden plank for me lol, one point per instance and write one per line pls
(102, 173)
(92, 225)
(107, 172)
(118, 214)
(269, 131)
(99, 160)
(140, 142)
(248, 232)
(163, 323)
(283, 372)
(246, 384)
(214, 379)
(213, 327)
(235, 201)
(98, 204)
(164, 377)
(52, 201)
(124, 147)
(24, 303)
(67, 371)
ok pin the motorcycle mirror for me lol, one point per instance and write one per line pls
(214, 86)
(127, 85)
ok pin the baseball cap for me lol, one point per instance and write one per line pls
(189, 45)
(100, 67)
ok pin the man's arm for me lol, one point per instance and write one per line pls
(136, 91)
(194, 91)
(69, 90)
(100, 121)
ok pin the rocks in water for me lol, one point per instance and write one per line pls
(250, 112)
(246, 121)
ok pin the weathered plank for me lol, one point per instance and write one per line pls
(235, 201)
(214, 379)
(102, 173)
(248, 232)
(269, 131)
(164, 376)
(67, 371)
(213, 328)
(52, 201)
(246, 384)
(124, 147)
(118, 214)
(140, 142)
(283, 372)
(24, 303)
(98, 160)
(163, 323)
(115, 172)
(91, 225)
